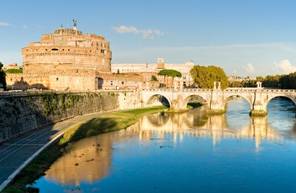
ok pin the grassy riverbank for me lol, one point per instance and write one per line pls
(105, 122)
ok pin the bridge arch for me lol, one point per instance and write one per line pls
(195, 98)
(232, 96)
(161, 99)
(293, 99)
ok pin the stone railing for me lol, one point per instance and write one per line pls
(173, 89)
(236, 90)
(262, 90)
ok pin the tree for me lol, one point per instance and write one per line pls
(205, 76)
(288, 81)
(2, 77)
(153, 78)
(170, 73)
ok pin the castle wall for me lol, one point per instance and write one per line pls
(72, 82)
(46, 62)
(25, 111)
(23, 81)
(65, 51)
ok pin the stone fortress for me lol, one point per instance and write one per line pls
(69, 60)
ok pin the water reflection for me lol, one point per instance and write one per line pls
(91, 161)
(197, 124)
(87, 160)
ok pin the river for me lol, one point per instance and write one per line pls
(187, 152)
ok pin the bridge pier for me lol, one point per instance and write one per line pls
(259, 104)
(258, 113)
(217, 104)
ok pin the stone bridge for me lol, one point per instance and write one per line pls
(216, 99)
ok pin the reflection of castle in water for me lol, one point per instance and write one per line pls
(199, 125)
(90, 159)
(87, 160)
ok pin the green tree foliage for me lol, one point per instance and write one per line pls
(2, 77)
(287, 81)
(205, 76)
(271, 81)
(14, 71)
(249, 83)
(153, 78)
(169, 73)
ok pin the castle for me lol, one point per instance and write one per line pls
(69, 60)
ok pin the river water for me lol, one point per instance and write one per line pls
(186, 152)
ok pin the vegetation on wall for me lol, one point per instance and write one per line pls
(2, 77)
(14, 71)
(205, 76)
(54, 103)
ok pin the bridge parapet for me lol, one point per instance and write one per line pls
(216, 99)
(279, 90)
(177, 90)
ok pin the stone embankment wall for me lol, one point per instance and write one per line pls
(22, 112)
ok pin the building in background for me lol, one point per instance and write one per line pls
(147, 70)
(69, 60)
(66, 59)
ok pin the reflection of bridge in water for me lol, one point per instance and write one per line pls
(90, 159)
(199, 125)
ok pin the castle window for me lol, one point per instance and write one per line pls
(54, 49)
(111, 83)
(102, 51)
(57, 78)
(122, 83)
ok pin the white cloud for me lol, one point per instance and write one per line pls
(126, 29)
(4, 24)
(249, 68)
(286, 67)
(145, 33)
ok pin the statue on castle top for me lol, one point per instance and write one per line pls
(74, 23)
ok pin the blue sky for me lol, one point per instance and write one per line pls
(250, 37)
